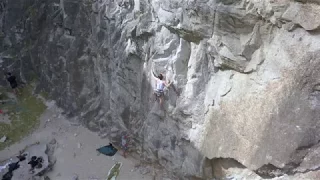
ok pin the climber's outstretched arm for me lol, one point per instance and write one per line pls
(154, 76)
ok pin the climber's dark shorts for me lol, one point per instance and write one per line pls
(158, 93)
(13, 85)
(124, 147)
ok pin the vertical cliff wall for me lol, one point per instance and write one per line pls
(246, 72)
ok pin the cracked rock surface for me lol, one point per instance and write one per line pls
(247, 73)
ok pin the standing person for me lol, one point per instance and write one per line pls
(159, 91)
(13, 166)
(13, 82)
(124, 144)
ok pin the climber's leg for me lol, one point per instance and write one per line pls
(155, 95)
(161, 101)
(159, 96)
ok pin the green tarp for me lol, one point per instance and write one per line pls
(108, 150)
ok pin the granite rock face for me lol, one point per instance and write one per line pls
(246, 72)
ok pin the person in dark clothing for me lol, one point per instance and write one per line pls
(35, 162)
(9, 174)
(13, 82)
(22, 157)
(13, 167)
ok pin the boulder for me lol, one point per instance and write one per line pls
(3, 139)
(305, 15)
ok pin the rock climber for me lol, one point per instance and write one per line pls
(13, 82)
(161, 84)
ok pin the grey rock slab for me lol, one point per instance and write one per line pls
(311, 161)
(75, 177)
(3, 139)
(305, 15)
(246, 73)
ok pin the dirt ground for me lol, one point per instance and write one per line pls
(76, 152)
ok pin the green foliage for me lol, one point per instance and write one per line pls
(44, 94)
(23, 114)
(32, 12)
